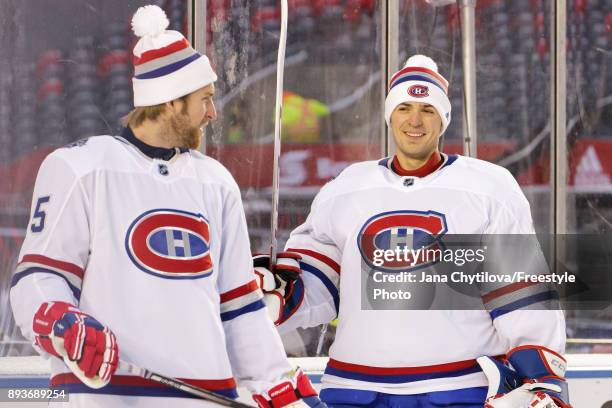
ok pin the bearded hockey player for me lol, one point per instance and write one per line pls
(137, 250)
(417, 358)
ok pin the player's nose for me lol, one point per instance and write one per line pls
(211, 111)
(415, 119)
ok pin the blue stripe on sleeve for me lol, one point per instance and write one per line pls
(333, 291)
(251, 307)
(510, 307)
(18, 276)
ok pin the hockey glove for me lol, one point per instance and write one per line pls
(278, 286)
(294, 392)
(87, 347)
(506, 388)
(535, 369)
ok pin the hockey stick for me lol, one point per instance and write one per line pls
(280, 70)
(182, 386)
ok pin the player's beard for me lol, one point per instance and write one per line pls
(183, 134)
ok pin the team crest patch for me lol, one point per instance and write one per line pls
(403, 232)
(418, 91)
(170, 244)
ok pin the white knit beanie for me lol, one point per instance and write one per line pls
(166, 67)
(419, 81)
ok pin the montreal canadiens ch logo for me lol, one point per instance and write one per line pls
(170, 244)
(403, 233)
(418, 91)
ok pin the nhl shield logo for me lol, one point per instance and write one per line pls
(403, 232)
(170, 244)
(418, 91)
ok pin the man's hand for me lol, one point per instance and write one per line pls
(87, 347)
(279, 284)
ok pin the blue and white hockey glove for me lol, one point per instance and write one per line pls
(296, 392)
(536, 379)
(282, 287)
(87, 347)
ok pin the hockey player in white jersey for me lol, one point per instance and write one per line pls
(137, 251)
(417, 358)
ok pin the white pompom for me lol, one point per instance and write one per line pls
(421, 61)
(149, 21)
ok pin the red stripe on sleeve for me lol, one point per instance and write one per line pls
(161, 52)
(505, 290)
(326, 260)
(65, 266)
(240, 291)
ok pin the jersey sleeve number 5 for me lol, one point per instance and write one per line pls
(38, 218)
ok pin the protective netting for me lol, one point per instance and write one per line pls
(72, 79)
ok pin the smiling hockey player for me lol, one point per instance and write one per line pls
(417, 358)
(137, 250)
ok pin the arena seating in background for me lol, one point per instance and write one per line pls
(6, 107)
(115, 70)
(85, 117)
(86, 89)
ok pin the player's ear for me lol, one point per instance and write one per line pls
(174, 107)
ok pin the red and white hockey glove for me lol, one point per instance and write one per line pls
(282, 287)
(87, 347)
(295, 392)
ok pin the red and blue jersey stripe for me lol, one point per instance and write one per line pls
(323, 268)
(400, 375)
(243, 299)
(519, 295)
(34, 263)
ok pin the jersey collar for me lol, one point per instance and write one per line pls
(433, 164)
(163, 153)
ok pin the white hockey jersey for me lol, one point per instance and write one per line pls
(412, 351)
(154, 245)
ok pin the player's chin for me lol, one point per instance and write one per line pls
(415, 152)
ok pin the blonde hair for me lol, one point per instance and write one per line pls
(139, 114)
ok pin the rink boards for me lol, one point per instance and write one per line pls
(589, 376)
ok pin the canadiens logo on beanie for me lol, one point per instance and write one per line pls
(166, 67)
(419, 81)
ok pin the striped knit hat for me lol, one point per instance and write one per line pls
(166, 67)
(419, 81)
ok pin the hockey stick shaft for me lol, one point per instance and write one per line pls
(182, 386)
(278, 109)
